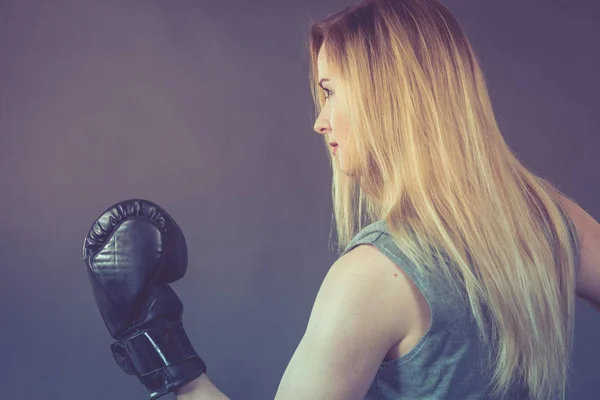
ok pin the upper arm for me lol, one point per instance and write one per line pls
(588, 231)
(356, 318)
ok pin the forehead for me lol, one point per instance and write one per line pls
(322, 61)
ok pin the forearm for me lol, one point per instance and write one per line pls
(200, 388)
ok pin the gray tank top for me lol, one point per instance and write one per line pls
(446, 363)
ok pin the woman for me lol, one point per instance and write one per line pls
(458, 274)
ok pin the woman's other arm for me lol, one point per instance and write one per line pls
(588, 230)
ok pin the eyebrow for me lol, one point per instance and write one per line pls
(323, 80)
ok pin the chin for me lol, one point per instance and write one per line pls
(346, 170)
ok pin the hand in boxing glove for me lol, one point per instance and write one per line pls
(132, 251)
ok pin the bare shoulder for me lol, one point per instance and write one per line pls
(366, 259)
(588, 231)
(369, 263)
(357, 317)
(376, 282)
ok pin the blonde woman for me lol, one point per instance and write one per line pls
(458, 267)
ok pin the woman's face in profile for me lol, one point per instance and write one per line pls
(333, 121)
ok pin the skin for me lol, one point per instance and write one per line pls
(354, 322)
(333, 120)
(588, 230)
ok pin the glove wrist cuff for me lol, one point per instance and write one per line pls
(166, 380)
(161, 356)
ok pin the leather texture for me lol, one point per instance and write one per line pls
(132, 252)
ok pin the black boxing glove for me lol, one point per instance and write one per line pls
(132, 251)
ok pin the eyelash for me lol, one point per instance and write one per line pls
(328, 93)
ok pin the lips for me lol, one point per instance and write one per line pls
(333, 144)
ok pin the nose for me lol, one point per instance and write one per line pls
(322, 123)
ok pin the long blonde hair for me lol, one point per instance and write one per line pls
(435, 167)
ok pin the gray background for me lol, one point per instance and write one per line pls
(204, 107)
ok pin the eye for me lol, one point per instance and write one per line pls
(327, 92)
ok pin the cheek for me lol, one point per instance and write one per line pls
(339, 124)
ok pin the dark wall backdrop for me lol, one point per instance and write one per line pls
(204, 107)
